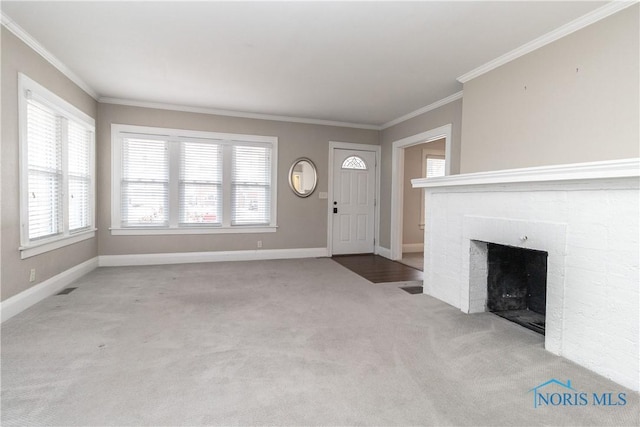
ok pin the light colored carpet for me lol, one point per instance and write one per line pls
(294, 342)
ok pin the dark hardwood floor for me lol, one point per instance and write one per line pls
(378, 269)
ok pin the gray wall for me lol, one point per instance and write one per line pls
(412, 197)
(302, 223)
(447, 114)
(574, 100)
(18, 57)
(563, 116)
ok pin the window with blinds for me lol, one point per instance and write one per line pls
(80, 142)
(200, 183)
(57, 168)
(435, 166)
(44, 163)
(251, 185)
(172, 181)
(145, 182)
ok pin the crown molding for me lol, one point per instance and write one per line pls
(19, 32)
(23, 35)
(230, 113)
(560, 32)
(437, 104)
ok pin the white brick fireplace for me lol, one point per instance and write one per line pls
(585, 216)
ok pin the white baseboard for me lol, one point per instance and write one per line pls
(37, 293)
(413, 247)
(195, 257)
(383, 252)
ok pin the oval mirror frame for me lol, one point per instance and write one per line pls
(297, 177)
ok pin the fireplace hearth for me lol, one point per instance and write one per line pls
(517, 285)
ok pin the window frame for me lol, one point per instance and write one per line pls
(28, 88)
(227, 140)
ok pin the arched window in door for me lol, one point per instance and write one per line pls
(354, 162)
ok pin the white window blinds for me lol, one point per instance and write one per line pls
(57, 144)
(251, 185)
(79, 145)
(200, 183)
(176, 181)
(45, 173)
(435, 166)
(145, 182)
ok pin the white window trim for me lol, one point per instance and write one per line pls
(174, 229)
(65, 109)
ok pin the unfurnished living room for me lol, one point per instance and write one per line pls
(320, 213)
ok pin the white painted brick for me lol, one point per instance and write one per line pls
(584, 279)
(588, 235)
(623, 236)
(591, 235)
(586, 259)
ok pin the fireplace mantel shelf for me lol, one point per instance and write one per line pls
(625, 168)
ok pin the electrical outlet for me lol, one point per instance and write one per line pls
(259, 244)
(32, 275)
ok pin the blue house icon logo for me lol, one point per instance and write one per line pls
(569, 395)
(557, 393)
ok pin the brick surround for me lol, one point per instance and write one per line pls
(585, 216)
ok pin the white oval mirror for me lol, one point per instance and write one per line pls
(303, 177)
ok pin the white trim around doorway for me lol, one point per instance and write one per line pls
(397, 181)
(333, 145)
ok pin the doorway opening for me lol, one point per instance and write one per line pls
(426, 160)
(401, 184)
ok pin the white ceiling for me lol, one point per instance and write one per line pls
(358, 62)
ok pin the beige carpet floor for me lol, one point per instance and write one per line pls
(293, 342)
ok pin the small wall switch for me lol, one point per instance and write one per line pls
(323, 195)
(259, 244)
(32, 275)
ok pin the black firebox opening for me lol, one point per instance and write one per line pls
(517, 285)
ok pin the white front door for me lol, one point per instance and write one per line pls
(353, 204)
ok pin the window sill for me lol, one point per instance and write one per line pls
(140, 231)
(50, 245)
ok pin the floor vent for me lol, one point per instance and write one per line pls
(413, 289)
(66, 291)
